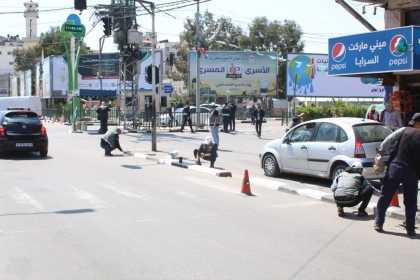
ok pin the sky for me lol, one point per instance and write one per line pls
(319, 20)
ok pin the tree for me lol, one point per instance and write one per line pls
(276, 36)
(52, 43)
(221, 34)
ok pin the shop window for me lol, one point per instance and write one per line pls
(412, 17)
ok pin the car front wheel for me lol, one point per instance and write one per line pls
(338, 170)
(270, 166)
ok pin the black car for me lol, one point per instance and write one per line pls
(22, 130)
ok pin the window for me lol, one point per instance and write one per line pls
(11, 63)
(343, 136)
(166, 49)
(412, 17)
(303, 133)
(0, 53)
(9, 53)
(371, 132)
(327, 132)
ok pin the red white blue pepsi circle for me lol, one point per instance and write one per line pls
(393, 45)
(338, 52)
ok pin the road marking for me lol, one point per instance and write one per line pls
(23, 198)
(119, 191)
(89, 198)
(190, 196)
(296, 204)
(211, 184)
(269, 184)
(312, 193)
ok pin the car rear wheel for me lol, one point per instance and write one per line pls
(270, 166)
(338, 169)
(43, 153)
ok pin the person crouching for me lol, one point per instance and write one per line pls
(111, 141)
(207, 151)
(350, 188)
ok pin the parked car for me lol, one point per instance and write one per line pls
(165, 120)
(325, 147)
(21, 130)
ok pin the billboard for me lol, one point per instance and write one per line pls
(21, 84)
(308, 75)
(28, 83)
(46, 78)
(14, 86)
(375, 52)
(234, 73)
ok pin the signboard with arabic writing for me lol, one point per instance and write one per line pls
(234, 73)
(307, 74)
(373, 52)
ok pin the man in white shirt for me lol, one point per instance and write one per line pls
(391, 117)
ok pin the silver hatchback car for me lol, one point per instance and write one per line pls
(325, 147)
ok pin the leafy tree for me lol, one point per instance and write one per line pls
(52, 43)
(264, 35)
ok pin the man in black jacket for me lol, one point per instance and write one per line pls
(232, 115)
(295, 121)
(186, 114)
(103, 117)
(207, 151)
(259, 117)
(404, 167)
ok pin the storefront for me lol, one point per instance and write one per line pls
(390, 58)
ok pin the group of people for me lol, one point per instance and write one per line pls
(389, 116)
(403, 167)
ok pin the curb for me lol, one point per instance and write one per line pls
(392, 212)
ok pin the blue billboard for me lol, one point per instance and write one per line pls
(375, 52)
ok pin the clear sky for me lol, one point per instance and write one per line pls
(319, 19)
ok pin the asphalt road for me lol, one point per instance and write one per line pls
(80, 215)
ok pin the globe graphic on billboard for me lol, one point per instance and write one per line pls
(302, 71)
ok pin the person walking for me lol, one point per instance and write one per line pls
(207, 151)
(372, 114)
(214, 123)
(259, 117)
(350, 188)
(391, 117)
(403, 168)
(187, 117)
(251, 113)
(180, 104)
(232, 116)
(110, 141)
(171, 112)
(103, 116)
(295, 121)
(226, 117)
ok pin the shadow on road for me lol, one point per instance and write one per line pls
(131, 166)
(22, 156)
(74, 211)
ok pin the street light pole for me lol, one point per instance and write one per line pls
(197, 49)
(294, 97)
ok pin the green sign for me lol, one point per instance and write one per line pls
(73, 28)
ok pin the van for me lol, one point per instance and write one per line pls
(28, 102)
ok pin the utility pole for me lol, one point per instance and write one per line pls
(197, 49)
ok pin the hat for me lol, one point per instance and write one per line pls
(213, 104)
(208, 140)
(357, 165)
(415, 118)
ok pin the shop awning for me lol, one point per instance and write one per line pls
(93, 93)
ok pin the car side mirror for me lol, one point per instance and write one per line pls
(287, 140)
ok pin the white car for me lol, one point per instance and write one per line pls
(325, 147)
(165, 120)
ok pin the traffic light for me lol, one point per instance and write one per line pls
(107, 25)
(171, 59)
(80, 5)
(148, 74)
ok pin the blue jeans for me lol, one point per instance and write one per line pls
(215, 133)
(399, 173)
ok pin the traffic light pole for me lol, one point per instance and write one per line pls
(197, 48)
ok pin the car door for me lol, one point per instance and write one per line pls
(324, 147)
(294, 149)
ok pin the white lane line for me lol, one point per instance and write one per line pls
(190, 196)
(23, 198)
(93, 201)
(213, 185)
(269, 184)
(296, 204)
(120, 191)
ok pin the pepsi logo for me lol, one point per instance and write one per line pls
(393, 45)
(338, 52)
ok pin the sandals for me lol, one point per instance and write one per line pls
(340, 211)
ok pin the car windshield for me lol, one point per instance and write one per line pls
(368, 133)
(21, 117)
(179, 110)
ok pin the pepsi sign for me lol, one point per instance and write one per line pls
(390, 50)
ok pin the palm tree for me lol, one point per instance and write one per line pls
(337, 106)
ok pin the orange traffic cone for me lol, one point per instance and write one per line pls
(394, 201)
(246, 186)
